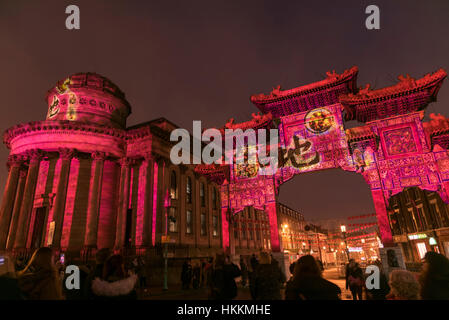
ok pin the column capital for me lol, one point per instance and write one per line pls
(35, 155)
(66, 153)
(98, 155)
(147, 157)
(15, 160)
(23, 174)
(161, 159)
(125, 161)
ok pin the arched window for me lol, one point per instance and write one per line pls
(173, 186)
(189, 190)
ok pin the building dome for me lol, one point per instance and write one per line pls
(89, 98)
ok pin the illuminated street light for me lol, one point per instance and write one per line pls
(343, 231)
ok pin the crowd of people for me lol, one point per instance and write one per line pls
(41, 278)
(266, 280)
(196, 276)
(114, 278)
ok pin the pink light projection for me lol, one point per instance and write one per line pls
(225, 227)
(131, 179)
(54, 187)
(153, 225)
(394, 150)
(108, 205)
(141, 203)
(70, 202)
(274, 233)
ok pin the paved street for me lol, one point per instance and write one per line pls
(332, 274)
(176, 292)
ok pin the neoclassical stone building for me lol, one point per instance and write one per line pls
(81, 180)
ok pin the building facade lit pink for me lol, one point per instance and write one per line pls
(81, 179)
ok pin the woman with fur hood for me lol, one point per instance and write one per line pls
(115, 283)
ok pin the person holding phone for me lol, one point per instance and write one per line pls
(9, 288)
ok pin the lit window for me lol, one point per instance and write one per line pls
(189, 222)
(215, 226)
(422, 249)
(173, 186)
(203, 225)
(189, 190)
(172, 221)
(202, 195)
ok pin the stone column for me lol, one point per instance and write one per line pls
(16, 210)
(35, 157)
(125, 174)
(66, 156)
(148, 203)
(14, 163)
(93, 209)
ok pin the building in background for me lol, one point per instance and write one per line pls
(359, 240)
(419, 222)
(291, 225)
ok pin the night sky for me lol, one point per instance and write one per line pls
(201, 60)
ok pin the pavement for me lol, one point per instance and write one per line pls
(333, 275)
(177, 293)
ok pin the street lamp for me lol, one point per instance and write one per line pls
(231, 220)
(343, 231)
(167, 205)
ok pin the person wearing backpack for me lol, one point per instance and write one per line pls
(354, 279)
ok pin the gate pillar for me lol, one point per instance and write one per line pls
(270, 209)
(382, 216)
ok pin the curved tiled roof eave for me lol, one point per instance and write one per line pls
(428, 82)
(347, 76)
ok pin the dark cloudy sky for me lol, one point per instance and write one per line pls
(201, 60)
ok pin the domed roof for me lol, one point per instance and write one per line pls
(89, 80)
(88, 97)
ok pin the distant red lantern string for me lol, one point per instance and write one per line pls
(361, 228)
(362, 224)
(362, 236)
(362, 216)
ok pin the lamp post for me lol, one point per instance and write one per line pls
(343, 231)
(284, 233)
(167, 205)
(230, 216)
